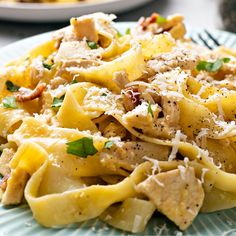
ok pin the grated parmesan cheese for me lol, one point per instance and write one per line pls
(204, 170)
(155, 164)
(186, 161)
(157, 181)
(182, 171)
(178, 137)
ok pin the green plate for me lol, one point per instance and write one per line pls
(19, 220)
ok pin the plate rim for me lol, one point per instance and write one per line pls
(52, 6)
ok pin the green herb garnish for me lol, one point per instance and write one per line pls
(150, 110)
(74, 81)
(104, 94)
(9, 102)
(128, 31)
(225, 59)
(82, 147)
(212, 66)
(57, 102)
(161, 20)
(108, 144)
(47, 66)
(119, 34)
(12, 87)
(92, 44)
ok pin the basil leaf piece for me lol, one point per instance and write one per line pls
(12, 87)
(47, 66)
(108, 144)
(74, 81)
(119, 34)
(82, 147)
(161, 20)
(212, 66)
(57, 102)
(92, 44)
(9, 102)
(226, 59)
(150, 110)
(128, 31)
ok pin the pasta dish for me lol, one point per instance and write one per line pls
(95, 123)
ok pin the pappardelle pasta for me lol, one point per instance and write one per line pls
(94, 123)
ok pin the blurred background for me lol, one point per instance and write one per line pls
(211, 14)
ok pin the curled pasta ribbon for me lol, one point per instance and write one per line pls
(132, 61)
(9, 120)
(80, 204)
(54, 142)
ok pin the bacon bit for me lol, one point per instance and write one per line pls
(3, 182)
(37, 92)
(131, 98)
(149, 20)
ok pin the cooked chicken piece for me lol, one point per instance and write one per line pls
(114, 129)
(3, 182)
(75, 51)
(178, 194)
(121, 78)
(84, 27)
(129, 154)
(171, 111)
(15, 187)
(36, 93)
(173, 24)
(182, 58)
(57, 81)
(5, 158)
(37, 71)
(178, 31)
(141, 119)
(131, 98)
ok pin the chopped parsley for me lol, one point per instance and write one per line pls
(92, 44)
(104, 95)
(47, 66)
(108, 144)
(74, 81)
(150, 111)
(212, 66)
(9, 102)
(12, 87)
(57, 102)
(225, 59)
(119, 34)
(161, 20)
(82, 147)
(128, 31)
